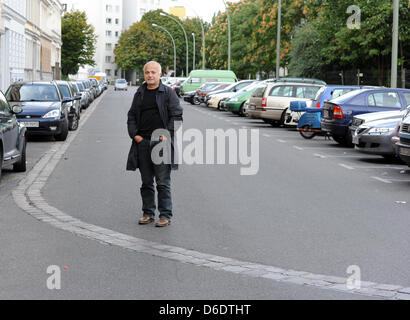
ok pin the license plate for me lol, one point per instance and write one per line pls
(31, 124)
(405, 151)
(251, 107)
(355, 140)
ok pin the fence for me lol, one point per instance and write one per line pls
(367, 77)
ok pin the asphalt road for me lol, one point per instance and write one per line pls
(313, 207)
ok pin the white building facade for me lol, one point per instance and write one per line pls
(30, 41)
(110, 18)
(12, 39)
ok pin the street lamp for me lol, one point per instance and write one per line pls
(175, 48)
(395, 44)
(229, 36)
(193, 35)
(278, 39)
(186, 40)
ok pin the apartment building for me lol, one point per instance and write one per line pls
(110, 18)
(30, 41)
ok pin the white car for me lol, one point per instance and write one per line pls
(121, 84)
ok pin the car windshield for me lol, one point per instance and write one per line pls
(251, 87)
(32, 92)
(80, 87)
(65, 90)
(121, 81)
(348, 96)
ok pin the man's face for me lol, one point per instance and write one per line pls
(152, 74)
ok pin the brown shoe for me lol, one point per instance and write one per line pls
(163, 223)
(146, 220)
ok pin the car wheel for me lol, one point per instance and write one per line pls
(73, 123)
(1, 162)
(64, 132)
(339, 139)
(241, 111)
(349, 139)
(21, 166)
(307, 134)
(282, 119)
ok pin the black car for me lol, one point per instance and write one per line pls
(74, 108)
(12, 137)
(192, 97)
(45, 110)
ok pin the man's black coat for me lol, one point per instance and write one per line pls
(170, 111)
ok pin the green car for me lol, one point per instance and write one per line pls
(197, 78)
(236, 103)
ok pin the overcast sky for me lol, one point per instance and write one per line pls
(203, 8)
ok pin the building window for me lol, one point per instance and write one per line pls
(143, 11)
(108, 59)
(108, 8)
(108, 20)
(117, 34)
(108, 72)
(108, 33)
(108, 46)
(117, 21)
(116, 73)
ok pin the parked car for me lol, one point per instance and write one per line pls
(96, 84)
(403, 146)
(214, 98)
(89, 89)
(45, 111)
(210, 87)
(308, 118)
(199, 77)
(121, 84)
(177, 86)
(85, 98)
(192, 97)
(338, 114)
(12, 137)
(375, 137)
(271, 102)
(236, 104)
(74, 107)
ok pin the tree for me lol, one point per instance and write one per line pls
(141, 44)
(79, 42)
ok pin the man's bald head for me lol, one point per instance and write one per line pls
(152, 74)
(153, 64)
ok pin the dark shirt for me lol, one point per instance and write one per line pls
(150, 117)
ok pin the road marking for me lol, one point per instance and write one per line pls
(320, 156)
(28, 197)
(298, 148)
(382, 180)
(281, 141)
(346, 166)
(266, 135)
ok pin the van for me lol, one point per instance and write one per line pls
(199, 77)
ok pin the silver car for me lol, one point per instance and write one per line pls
(375, 137)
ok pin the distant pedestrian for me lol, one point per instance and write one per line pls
(155, 106)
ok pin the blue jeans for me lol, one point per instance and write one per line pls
(162, 175)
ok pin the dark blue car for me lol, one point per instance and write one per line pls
(45, 110)
(12, 138)
(337, 114)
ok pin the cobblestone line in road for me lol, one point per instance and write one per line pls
(29, 198)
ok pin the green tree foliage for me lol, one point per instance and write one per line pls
(141, 44)
(78, 42)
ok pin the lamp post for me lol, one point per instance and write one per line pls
(229, 36)
(203, 33)
(193, 68)
(278, 39)
(395, 44)
(175, 48)
(186, 40)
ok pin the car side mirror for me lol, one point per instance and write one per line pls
(16, 109)
(78, 97)
(67, 100)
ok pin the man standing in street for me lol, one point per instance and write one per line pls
(155, 106)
